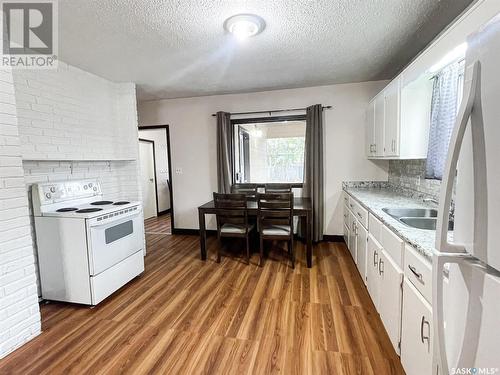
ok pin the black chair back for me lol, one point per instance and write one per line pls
(275, 209)
(250, 190)
(278, 188)
(231, 209)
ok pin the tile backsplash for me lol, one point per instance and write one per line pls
(410, 174)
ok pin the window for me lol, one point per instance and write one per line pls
(269, 150)
(446, 97)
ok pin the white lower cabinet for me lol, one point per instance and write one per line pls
(380, 256)
(416, 339)
(390, 297)
(361, 238)
(373, 250)
(347, 234)
(352, 238)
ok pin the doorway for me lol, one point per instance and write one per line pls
(157, 186)
(148, 178)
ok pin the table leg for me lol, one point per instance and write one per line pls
(309, 239)
(203, 235)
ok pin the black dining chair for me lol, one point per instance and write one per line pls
(232, 219)
(250, 190)
(277, 188)
(275, 221)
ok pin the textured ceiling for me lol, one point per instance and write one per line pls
(178, 48)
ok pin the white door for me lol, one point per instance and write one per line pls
(373, 251)
(416, 332)
(370, 129)
(146, 157)
(361, 250)
(379, 124)
(391, 127)
(352, 240)
(391, 294)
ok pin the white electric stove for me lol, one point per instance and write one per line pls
(87, 247)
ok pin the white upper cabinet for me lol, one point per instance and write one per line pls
(398, 120)
(370, 129)
(379, 125)
(392, 118)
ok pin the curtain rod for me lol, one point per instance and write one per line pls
(275, 111)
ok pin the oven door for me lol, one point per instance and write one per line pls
(114, 240)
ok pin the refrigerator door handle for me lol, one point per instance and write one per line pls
(439, 359)
(469, 97)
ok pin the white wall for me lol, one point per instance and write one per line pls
(70, 114)
(193, 141)
(75, 125)
(159, 137)
(19, 311)
(49, 119)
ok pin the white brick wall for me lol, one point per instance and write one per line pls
(68, 120)
(19, 310)
(54, 125)
(70, 114)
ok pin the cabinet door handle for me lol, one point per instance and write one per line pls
(359, 215)
(375, 258)
(422, 337)
(417, 274)
(380, 269)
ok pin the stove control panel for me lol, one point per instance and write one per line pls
(52, 192)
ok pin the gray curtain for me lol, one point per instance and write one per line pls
(224, 152)
(313, 167)
(444, 106)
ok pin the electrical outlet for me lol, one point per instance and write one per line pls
(178, 170)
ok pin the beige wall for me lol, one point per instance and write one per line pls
(193, 141)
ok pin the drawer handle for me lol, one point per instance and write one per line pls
(375, 258)
(380, 268)
(422, 337)
(361, 216)
(417, 274)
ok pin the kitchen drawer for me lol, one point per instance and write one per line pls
(346, 215)
(419, 272)
(351, 202)
(392, 244)
(346, 198)
(374, 227)
(361, 214)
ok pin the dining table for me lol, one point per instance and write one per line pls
(302, 208)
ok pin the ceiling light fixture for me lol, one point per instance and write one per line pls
(244, 26)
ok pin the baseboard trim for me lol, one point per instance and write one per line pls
(192, 232)
(164, 212)
(333, 238)
(196, 232)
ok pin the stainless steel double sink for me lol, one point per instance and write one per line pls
(420, 218)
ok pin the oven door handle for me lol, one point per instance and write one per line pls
(112, 223)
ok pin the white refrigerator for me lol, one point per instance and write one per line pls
(466, 277)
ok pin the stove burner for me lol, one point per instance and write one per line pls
(120, 203)
(85, 210)
(101, 203)
(67, 209)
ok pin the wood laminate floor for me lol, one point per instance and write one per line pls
(186, 316)
(158, 225)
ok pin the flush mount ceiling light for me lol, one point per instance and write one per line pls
(244, 26)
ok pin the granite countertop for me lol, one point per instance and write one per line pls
(375, 197)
